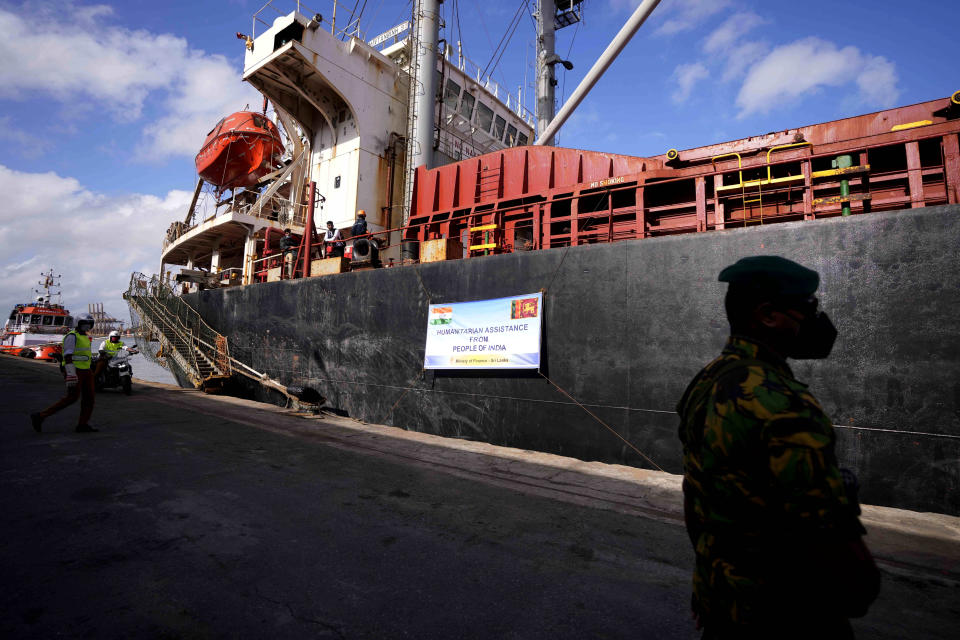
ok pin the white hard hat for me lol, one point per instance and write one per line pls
(114, 334)
(86, 319)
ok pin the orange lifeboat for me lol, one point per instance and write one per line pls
(239, 150)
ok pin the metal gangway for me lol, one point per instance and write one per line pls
(194, 346)
(197, 350)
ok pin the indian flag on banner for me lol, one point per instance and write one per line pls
(441, 315)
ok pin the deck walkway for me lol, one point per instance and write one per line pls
(194, 515)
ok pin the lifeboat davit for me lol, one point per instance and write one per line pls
(239, 150)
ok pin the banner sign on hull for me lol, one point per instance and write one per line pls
(487, 334)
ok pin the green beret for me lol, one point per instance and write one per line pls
(772, 275)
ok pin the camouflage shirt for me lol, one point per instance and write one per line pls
(761, 483)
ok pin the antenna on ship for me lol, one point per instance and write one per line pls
(49, 282)
(551, 15)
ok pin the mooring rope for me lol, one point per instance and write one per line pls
(408, 390)
(557, 270)
(424, 287)
(577, 402)
(901, 432)
(594, 416)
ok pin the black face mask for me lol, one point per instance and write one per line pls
(815, 338)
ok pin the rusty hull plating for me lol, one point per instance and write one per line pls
(547, 197)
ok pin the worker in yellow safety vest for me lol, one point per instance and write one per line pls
(112, 344)
(78, 376)
(108, 348)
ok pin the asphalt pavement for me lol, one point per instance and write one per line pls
(195, 516)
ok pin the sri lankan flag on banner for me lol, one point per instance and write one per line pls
(441, 315)
(523, 308)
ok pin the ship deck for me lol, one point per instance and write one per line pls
(224, 235)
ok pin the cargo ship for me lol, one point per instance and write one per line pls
(473, 204)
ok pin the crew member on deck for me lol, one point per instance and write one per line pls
(333, 241)
(360, 226)
(288, 248)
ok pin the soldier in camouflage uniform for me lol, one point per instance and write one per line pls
(778, 544)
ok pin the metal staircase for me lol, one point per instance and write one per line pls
(191, 344)
(185, 339)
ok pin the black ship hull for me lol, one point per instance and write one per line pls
(626, 326)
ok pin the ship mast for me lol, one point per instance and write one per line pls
(546, 81)
(550, 16)
(428, 27)
(640, 15)
(423, 92)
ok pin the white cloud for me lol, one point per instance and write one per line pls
(44, 52)
(207, 90)
(684, 15)
(726, 45)
(878, 81)
(687, 76)
(21, 142)
(804, 66)
(729, 33)
(94, 240)
(746, 54)
(116, 67)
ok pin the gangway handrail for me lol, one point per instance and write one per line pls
(191, 327)
(166, 343)
(159, 314)
(159, 320)
(184, 333)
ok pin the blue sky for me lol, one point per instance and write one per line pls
(103, 105)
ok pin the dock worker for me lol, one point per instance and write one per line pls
(78, 376)
(772, 518)
(288, 248)
(333, 241)
(360, 226)
(108, 348)
(112, 344)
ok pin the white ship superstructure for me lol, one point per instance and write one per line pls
(345, 105)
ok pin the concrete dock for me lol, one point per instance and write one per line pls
(203, 516)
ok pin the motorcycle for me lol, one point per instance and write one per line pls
(117, 373)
